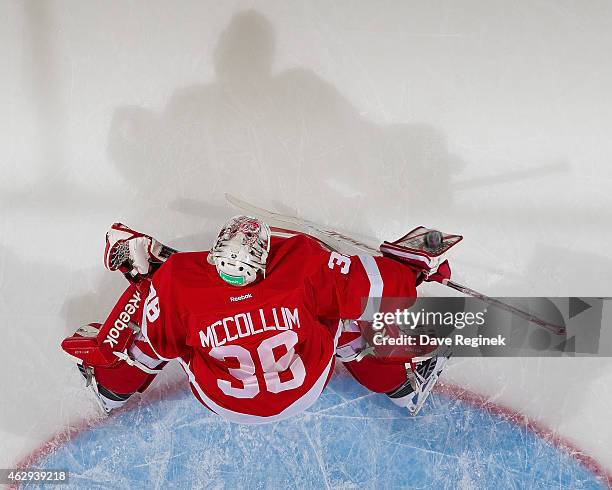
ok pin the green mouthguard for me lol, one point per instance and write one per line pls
(233, 280)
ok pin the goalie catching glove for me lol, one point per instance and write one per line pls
(135, 254)
(423, 250)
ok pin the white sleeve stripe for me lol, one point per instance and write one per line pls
(376, 287)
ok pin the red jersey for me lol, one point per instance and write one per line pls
(264, 352)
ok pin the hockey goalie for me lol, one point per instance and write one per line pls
(256, 323)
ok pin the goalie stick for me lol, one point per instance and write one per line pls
(337, 240)
(330, 237)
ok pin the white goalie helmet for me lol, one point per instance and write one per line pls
(241, 250)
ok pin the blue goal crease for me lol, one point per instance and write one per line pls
(347, 439)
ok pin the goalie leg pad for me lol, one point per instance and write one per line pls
(376, 375)
(123, 378)
(350, 342)
(114, 357)
(380, 376)
(108, 400)
(114, 385)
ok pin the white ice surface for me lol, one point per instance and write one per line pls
(487, 118)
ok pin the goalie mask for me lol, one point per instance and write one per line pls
(241, 250)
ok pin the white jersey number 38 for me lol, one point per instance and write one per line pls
(271, 367)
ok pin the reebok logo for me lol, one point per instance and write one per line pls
(240, 298)
(123, 321)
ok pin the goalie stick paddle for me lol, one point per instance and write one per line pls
(330, 237)
(337, 240)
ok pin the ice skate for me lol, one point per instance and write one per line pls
(107, 400)
(415, 391)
